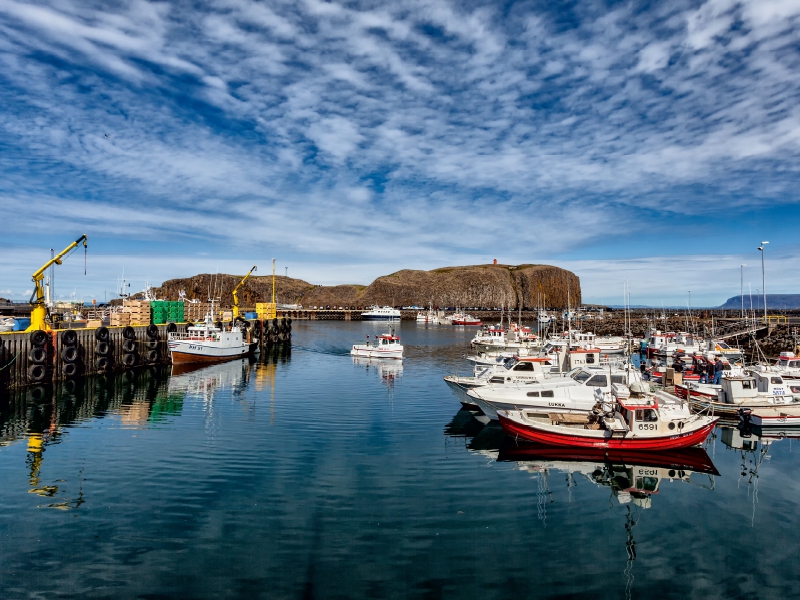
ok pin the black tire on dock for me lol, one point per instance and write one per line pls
(39, 394)
(69, 354)
(102, 349)
(38, 338)
(129, 346)
(171, 327)
(129, 333)
(101, 335)
(152, 331)
(69, 369)
(128, 360)
(151, 356)
(151, 344)
(101, 362)
(37, 355)
(69, 338)
(37, 373)
(189, 324)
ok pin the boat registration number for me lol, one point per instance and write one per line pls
(647, 426)
(779, 391)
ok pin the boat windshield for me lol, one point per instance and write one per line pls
(580, 376)
(510, 362)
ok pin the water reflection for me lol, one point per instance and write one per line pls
(633, 479)
(389, 370)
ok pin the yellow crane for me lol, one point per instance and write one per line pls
(39, 312)
(236, 293)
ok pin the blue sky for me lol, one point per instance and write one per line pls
(651, 142)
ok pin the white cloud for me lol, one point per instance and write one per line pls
(317, 129)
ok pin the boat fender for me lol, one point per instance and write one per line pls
(275, 322)
(37, 373)
(101, 362)
(129, 359)
(152, 331)
(38, 338)
(102, 349)
(289, 321)
(152, 356)
(69, 354)
(129, 346)
(70, 369)
(151, 344)
(171, 327)
(37, 355)
(129, 333)
(101, 335)
(69, 338)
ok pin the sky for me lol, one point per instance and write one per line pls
(650, 143)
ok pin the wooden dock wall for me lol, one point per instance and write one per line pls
(15, 350)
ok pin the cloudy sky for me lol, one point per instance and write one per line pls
(651, 142)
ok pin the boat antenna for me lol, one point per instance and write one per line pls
(273, 281)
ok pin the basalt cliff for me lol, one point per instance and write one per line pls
(486, 286)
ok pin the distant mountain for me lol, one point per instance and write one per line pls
(479, 285)
(774, 302)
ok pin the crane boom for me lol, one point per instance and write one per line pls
(39, 312)
(236, 292)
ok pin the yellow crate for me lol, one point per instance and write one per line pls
(266, 310)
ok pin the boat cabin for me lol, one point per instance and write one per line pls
(788, 360)
(736, 390)
(387, 340)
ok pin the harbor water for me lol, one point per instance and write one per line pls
(310, 474)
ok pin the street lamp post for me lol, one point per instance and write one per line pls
(741, 287)
(763, 279)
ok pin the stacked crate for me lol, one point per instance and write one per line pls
(119, 319)
(195, 311)
(139, 311)
(266, 310)
(175, 312)
(165, 311)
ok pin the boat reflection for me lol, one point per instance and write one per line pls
(753, 445)
(388, 369)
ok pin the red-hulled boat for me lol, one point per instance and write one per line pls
(634, 424)
(687, 459)
(460, 319)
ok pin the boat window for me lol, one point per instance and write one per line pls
(618, 379)
(776, 380)
(548, 394)
(581, 376)
(497, 380)
(783, 363)
(590, 358)
(726, 367)
(524, 366)
(533, 394)
(598, 381)
(647, 484)
(795, 389)
(647, 415)
(510, 362)
(748, 384)
(796, 363)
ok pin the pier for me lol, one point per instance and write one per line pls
(43, 357)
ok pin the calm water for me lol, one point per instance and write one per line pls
(311, 476)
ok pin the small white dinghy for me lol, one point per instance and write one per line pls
(384, 346)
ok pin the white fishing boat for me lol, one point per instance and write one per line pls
(511, 370)
(755, 391)
(788, 365)
(378, 313)
(430, 317)
(384, 346)
(6, 323)
(576, 392)
(207, 343)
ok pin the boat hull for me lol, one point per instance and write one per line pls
(576, 440)
(186, 353)
(379, 317)
(376, 353)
